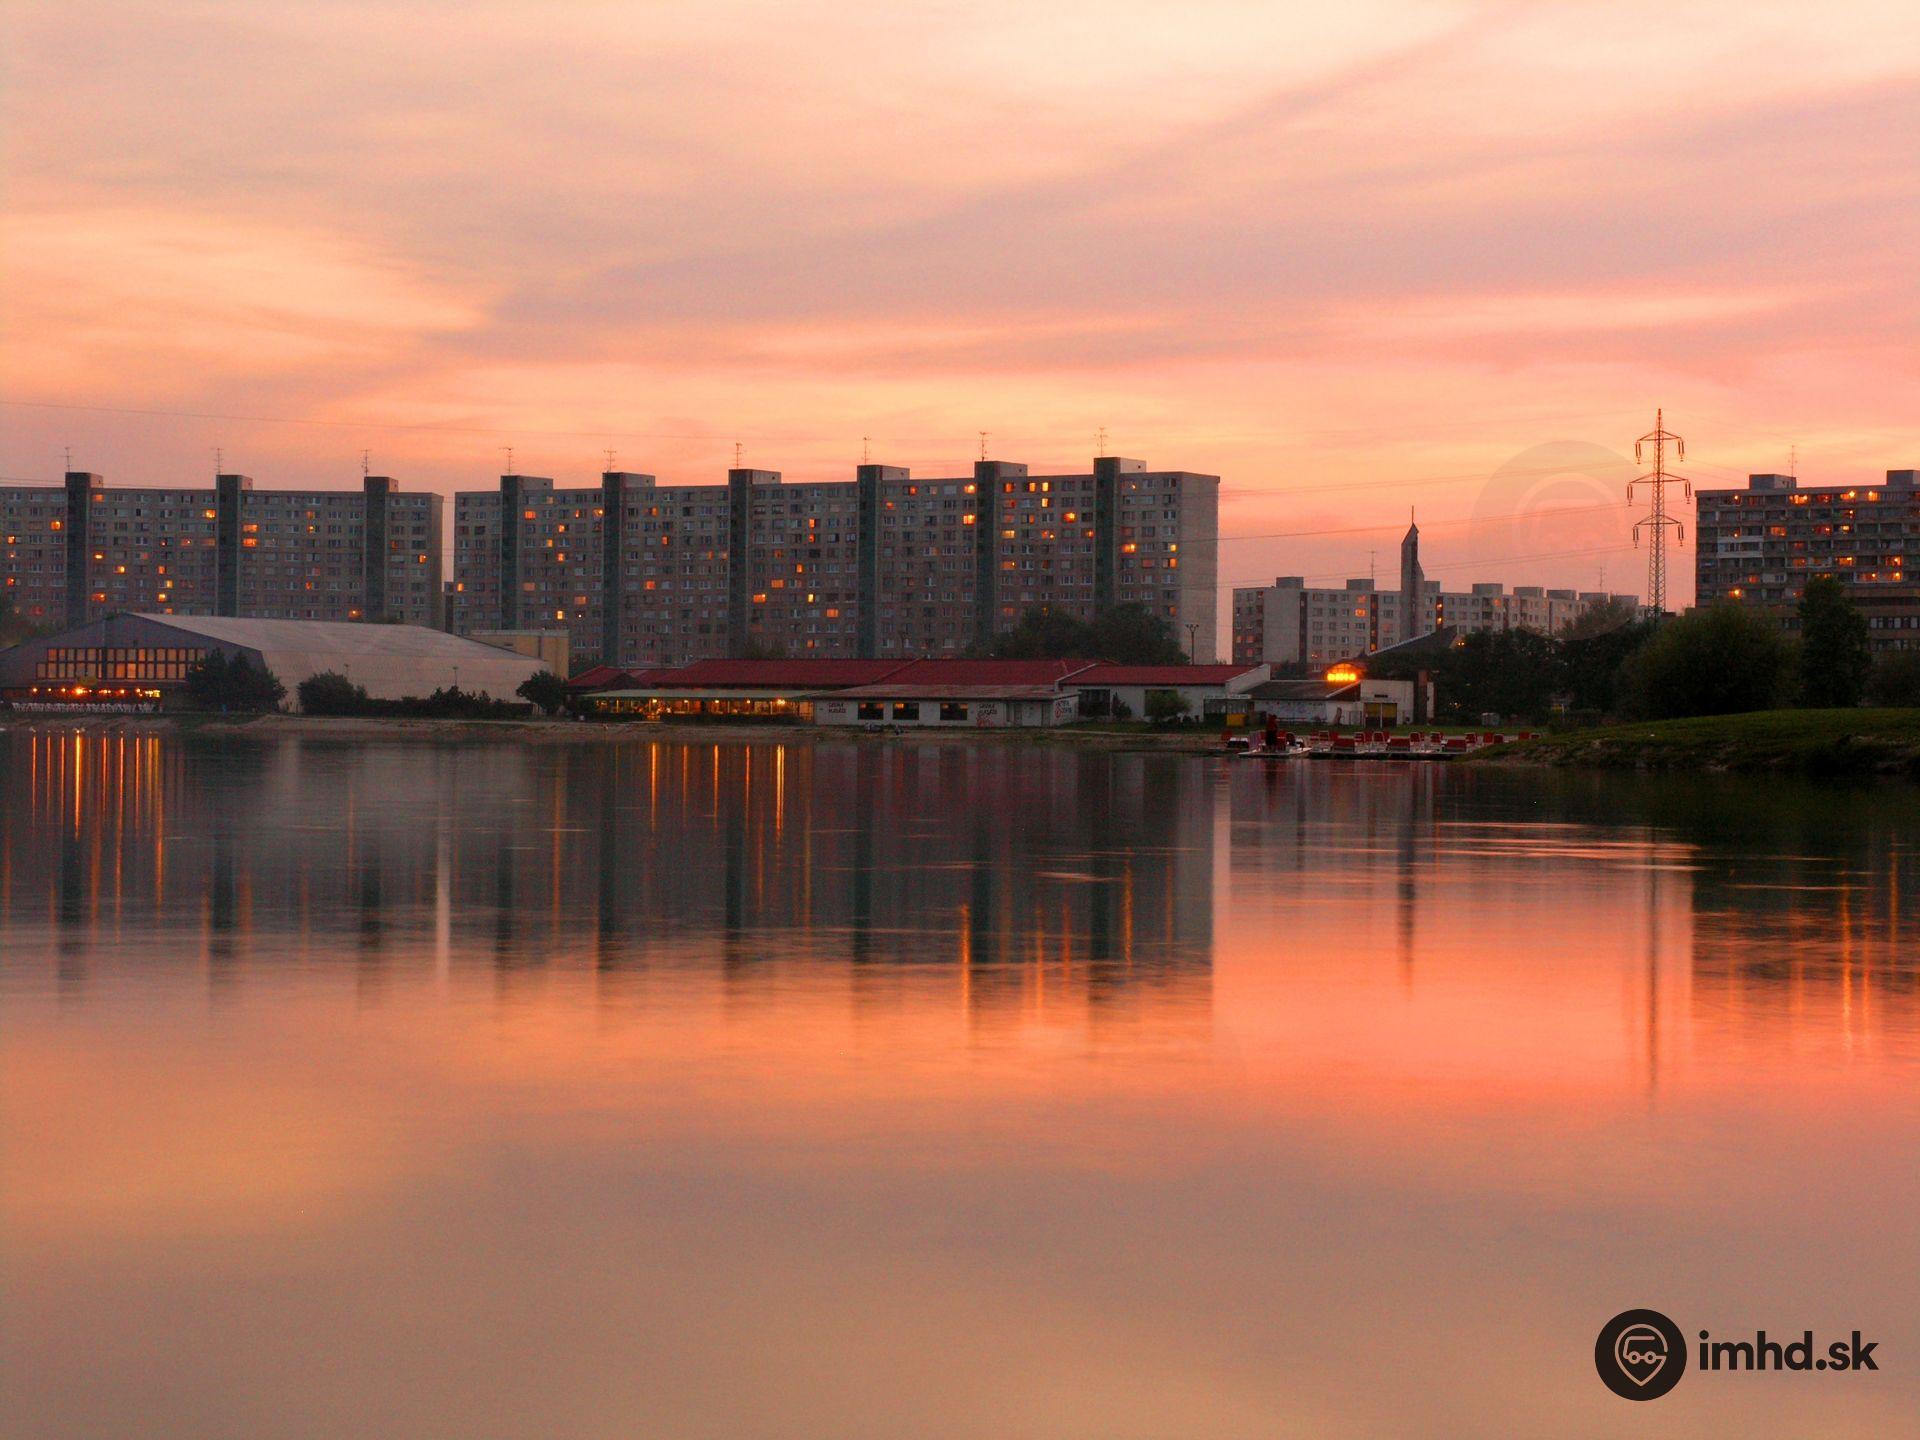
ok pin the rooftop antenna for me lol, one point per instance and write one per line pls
(611, 452)
(68, 452)
(866, 449)
(366, 463)
(219, 460)
(983, 444)
(1103, 440)
(508, 449)
(1370, 574)
(1793, 461)
(738, 451)
(1657, 522)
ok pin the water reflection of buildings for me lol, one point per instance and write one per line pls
(1020, 882)
(1810, 952)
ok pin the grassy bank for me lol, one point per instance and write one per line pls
(1803, 742)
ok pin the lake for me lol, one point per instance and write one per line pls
(938, 1090)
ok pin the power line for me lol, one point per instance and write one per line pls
(1392, 525)
(1465, 564)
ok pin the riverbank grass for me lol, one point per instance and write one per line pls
(1810, 742)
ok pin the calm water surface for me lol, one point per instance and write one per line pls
(920, 1090)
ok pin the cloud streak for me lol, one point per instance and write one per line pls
(1304, 251)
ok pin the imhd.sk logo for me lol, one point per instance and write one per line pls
(1640, 1354)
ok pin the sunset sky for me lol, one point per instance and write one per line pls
(1354, 258)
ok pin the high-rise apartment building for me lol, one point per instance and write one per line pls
(881, 565)
(76, 552)
(1292, 623)
(1760, 545)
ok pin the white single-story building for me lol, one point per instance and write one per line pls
(959, 693)
(975, 706)
(1357, 702)
(1206, 692)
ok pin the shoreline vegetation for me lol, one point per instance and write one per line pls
(1853, 742)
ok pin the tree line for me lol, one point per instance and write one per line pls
(233, 684)
(1718, 660)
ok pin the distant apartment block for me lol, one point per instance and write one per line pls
(83, 550)
(880, 566)
(1759, 546)
(1292, 623)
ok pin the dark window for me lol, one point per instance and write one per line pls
(906, 710)
(953, 710)
(872, 710)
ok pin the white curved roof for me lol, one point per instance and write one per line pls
(391, 661)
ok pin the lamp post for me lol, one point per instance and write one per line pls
(1193, 640)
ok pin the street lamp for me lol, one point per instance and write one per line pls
(1193, 641)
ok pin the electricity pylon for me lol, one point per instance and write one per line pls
(1657, 522)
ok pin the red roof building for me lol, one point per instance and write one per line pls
(734, 689)
(1162, 675)
(600, 677)
(987, 672)
(803, 674)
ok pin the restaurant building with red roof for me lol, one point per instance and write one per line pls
(989, 694)
(912, 692)
(1205, 692)
(728, 689)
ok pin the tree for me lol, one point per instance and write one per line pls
(1591, 660)
(218, 681)
(1834, 659)
(545, 691)
(1044, 634)
(1134, 635)
(16, 628)
(1124, 635)
(331, 693)
(1512, 673)
(1604, 617)
(1708, 662)
(1896, 679)
(1165, 706)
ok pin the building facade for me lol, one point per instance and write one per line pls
(83, 550)
(1760, 545)
(1292, 623)
(880, 566)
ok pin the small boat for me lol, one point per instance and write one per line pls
(1289, 749)
(1374, 745)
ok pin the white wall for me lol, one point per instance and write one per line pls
(980, 714)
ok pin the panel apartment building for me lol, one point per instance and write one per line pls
(1292, 623)
(76, 552)
(883, 565)
(1758, 547)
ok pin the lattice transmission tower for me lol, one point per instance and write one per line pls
(1657, 522)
